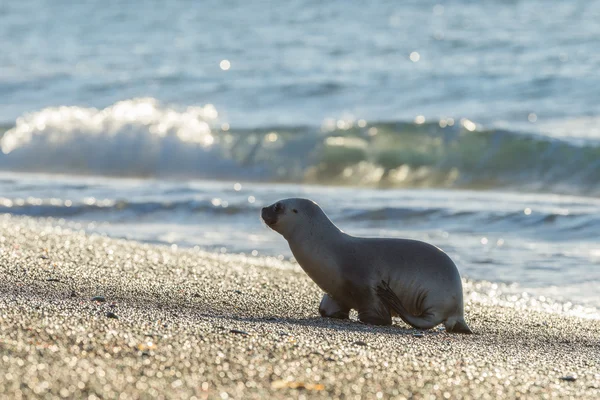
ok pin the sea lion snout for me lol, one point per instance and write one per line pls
(269, 215)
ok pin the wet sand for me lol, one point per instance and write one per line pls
(90, 317)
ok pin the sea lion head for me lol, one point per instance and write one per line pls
(285, 216)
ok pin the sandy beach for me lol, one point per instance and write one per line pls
(91, 317)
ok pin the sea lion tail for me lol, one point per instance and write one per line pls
(457, 325)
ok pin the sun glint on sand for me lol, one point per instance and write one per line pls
(90, 317)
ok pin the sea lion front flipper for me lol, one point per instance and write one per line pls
(375, 314)
(387, 295)
(329, 308)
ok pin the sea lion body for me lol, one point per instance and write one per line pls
(378, 277)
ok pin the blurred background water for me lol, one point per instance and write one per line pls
(472, 125)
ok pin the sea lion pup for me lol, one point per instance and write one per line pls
(379, 278)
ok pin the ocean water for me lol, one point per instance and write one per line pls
(471, 125)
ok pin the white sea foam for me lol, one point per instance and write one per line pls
(143, 138)
(137, 137)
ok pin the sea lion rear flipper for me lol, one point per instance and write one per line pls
(387, 295)
(457, 325)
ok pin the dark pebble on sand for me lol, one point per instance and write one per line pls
(568, 378)
(112, 315)
(43, 257)
(418, 334)
(237, 292)
(53, 280)
(101, 299)
(360, 343)
(73, 293)
(238, 332)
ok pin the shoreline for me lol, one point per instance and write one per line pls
(319, 186)
(181, 323)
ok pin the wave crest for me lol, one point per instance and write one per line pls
(142, 138)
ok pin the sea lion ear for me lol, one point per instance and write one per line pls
(295, 211)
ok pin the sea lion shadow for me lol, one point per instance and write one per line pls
(342, 325)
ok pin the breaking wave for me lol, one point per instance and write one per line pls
(142, 138)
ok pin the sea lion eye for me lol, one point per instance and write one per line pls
(295, 211)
